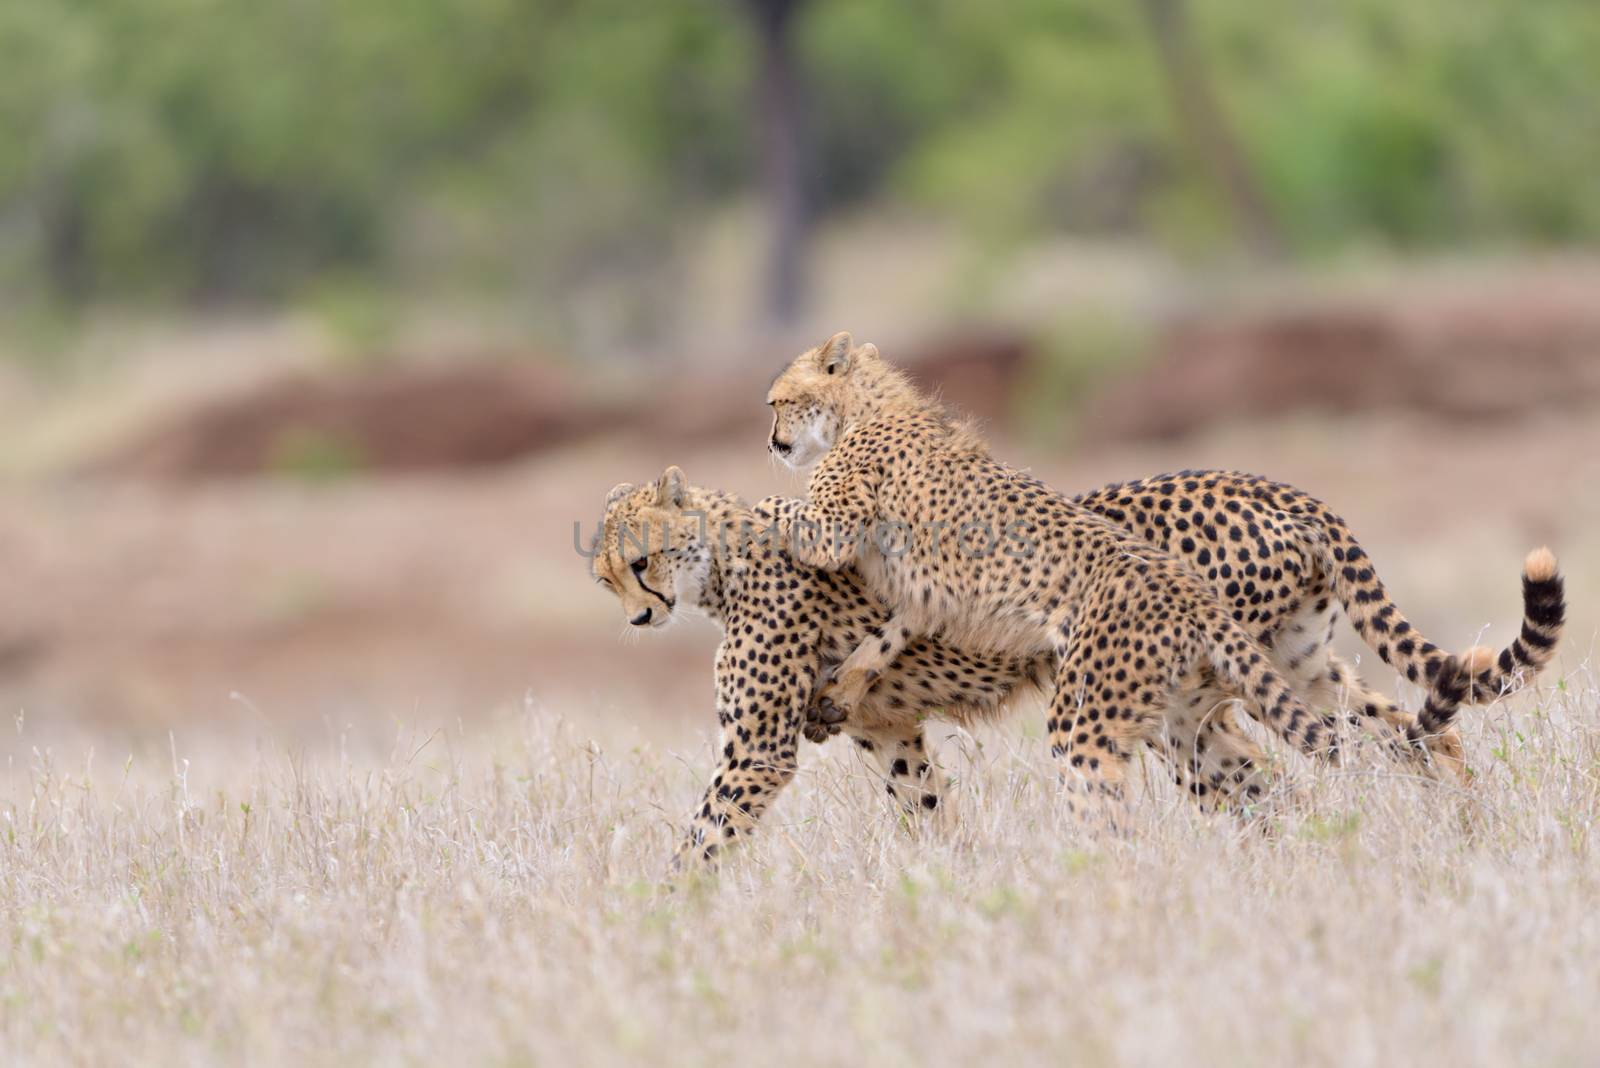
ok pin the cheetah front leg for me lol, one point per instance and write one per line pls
(729, 810)
(844, 692)
(830, 530)
(761, 721)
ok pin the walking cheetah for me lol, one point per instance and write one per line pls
(1131, 628)
(1240, 530)
(668, 547)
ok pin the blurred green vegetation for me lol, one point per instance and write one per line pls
(182, 151)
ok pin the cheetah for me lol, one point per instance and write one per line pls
(669, 547)
(1131, 628)
(1242, 530)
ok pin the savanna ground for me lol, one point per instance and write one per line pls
(493, 896)
(367, 771)
(330, 764)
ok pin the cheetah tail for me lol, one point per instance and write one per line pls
(1399, 644)
(1544, 613)
(1450, 688)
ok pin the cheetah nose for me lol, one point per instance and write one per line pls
(780, 447)
(642, 619)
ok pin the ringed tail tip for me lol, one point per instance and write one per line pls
(1540, 566)
(1478, 659)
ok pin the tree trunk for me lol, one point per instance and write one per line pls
(1206, 127)
(66, 249)
(781, 109)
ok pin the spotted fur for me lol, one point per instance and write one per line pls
(785, 626)
(1286, 565)
(1132, 631)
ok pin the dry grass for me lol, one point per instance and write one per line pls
(497, 902)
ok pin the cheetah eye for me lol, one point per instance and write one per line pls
(639, 565)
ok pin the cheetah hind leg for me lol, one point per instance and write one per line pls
(911, 780)
(1095, 739)
(1440, 755)
(1213, 759)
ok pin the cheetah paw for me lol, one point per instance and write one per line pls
(815, 730)
(840, 696)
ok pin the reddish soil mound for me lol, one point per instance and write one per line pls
(1498, 352)
(475, 414)
(466, 415)
(978, 371)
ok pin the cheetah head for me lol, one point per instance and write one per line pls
(652, 551)
(812, 399)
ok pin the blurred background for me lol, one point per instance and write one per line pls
(323, 323)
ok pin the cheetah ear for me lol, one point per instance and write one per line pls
(619, 491)
(867, 351)
(673, 488)
(834, 355)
